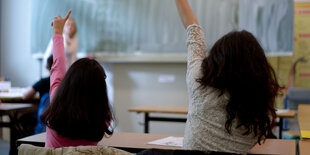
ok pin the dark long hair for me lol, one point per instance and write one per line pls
(237, 65)
(49, 62)
(80, 108)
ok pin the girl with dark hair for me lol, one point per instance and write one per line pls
(79, 113)
(232, 90)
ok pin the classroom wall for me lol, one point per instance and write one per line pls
(16, 61)
(131, 84)
(136, 84)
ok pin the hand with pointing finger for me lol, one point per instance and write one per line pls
(58, 23)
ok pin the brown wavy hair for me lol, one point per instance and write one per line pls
(238, 66)
(80, 108)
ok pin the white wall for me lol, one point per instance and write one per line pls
(16, 62)
(136, 84)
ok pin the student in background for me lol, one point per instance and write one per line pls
(79, 113)
(43, 87)
(70, 42)
(232, 90)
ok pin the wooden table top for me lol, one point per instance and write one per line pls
(286, 113)
(304, 116)
(14, 106)
(304, 120)
(160, 109)
(37, 140)
(139, 140)
(135, 140)
(276, 146)
(304, 147)
(184, 110)
(15, 94)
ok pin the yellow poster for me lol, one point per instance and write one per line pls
(302, 44)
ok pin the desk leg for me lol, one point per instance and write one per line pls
(13, 136)
(146, 122)
(280, 128)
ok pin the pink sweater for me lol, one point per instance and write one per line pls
(58, 71)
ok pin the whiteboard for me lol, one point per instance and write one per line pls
(153, 26)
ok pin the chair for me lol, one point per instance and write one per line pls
(27, 149)
(181, 152)
(294, 96)
(44, 102)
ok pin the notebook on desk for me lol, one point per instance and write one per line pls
(168, 141)
(305, 134)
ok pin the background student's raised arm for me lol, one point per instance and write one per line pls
(58, 70)
(59, 23)
(187, 15)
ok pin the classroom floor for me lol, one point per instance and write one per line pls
(4, 147)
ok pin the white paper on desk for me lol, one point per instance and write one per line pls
(9, 95)
(281, 111)
(168, 141)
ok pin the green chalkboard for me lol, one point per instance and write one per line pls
(153, 26)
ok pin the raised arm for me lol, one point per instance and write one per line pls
(59, 62)
(187, 15)
(195, 44)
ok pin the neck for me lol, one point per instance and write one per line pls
(69, 36)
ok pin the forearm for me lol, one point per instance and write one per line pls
(187, 15)
(59, 65)
(29, 93)
(58, 70)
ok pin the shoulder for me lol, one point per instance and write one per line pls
(42, 82)
(45, 80)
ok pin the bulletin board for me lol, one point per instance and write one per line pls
(302, 44)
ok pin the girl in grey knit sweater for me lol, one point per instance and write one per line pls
(232, 90)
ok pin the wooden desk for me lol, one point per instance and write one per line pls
(128, 141)
(284, 114)
(276, 146)
(15, 95)
(11, 110)
(146, 109)
(304, 120)
(160, 109)
(304, 147)
(135, 142)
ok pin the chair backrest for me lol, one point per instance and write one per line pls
(44, 102)
(27, 149)
(180, 152)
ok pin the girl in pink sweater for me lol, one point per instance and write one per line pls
(79, 113)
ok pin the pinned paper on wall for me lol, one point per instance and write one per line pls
(301, 44)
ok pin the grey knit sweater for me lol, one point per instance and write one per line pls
(205, 126)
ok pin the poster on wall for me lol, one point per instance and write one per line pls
(302, 44)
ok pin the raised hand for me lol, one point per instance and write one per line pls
(187, 15)
(58, 23)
